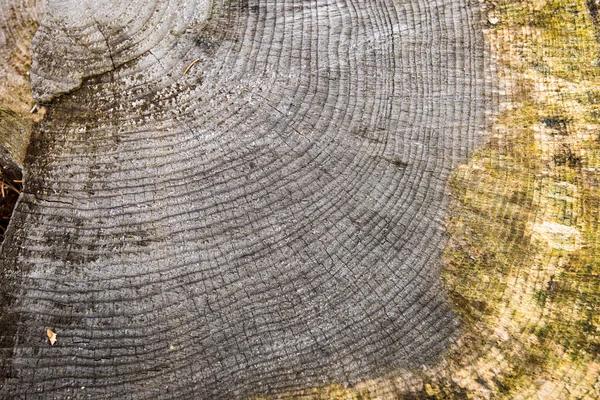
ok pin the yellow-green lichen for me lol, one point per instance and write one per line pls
(524, 227)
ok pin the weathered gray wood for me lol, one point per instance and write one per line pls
(269, 221)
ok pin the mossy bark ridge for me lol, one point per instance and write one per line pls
(269, 221)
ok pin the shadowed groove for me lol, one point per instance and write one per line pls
(270, 221)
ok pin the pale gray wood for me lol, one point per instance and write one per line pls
(271, 220)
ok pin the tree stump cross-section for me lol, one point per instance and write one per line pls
(268, 221)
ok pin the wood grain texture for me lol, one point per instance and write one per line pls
(271, 220)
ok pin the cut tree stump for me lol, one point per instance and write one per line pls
(274, 199)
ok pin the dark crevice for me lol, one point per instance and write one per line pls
(15, 131)
(107, 45)
(593, 6)
(11, 186)
(594, 9)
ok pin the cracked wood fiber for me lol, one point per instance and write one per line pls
(272, 220)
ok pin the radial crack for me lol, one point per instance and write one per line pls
(107, 45)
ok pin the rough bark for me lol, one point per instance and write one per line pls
(270, 220)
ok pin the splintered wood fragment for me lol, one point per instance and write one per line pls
(51, 336)
(2, 188)
(190, 66)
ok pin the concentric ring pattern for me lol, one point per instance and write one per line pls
(265, 219)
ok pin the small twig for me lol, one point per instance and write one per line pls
(190, 66)
(8, 185)
(302, 134)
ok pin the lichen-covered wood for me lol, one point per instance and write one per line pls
(18, 23)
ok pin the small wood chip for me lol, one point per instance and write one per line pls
(51, 336)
